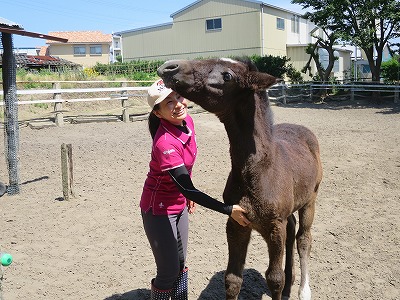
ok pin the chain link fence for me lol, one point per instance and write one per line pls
(11, 128)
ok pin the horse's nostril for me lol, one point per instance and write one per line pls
(171, 67)
(168, 68)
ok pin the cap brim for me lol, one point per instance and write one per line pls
(163, 96)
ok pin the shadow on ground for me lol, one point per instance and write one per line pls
(253, 288)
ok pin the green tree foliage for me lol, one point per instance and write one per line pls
(277, 66)
(273, 65)
(368, 24)
(391, 69)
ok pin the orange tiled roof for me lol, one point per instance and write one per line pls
(44, 50)
(76, 37)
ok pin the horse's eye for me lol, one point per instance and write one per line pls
(227, 76)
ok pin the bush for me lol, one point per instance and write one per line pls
(391, 69)
(273, 65)
(90, 72)
(277, 66)
(128, 68)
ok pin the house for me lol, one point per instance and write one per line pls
(220, 28)
(362, 70)
(85, 48)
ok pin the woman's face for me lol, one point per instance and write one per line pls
(173, 109)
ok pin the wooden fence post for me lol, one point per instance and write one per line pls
(284, 93)
(125, 112)
(352, 93)
(59, 118)
(67, 171)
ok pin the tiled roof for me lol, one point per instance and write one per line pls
(44, 50)
(24, 60)
(8, 23)
(76, 37)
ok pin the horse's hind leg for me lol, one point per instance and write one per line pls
(238, 239)
(289, 263)
(304, 239)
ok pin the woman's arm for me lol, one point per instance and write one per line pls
(185, 185)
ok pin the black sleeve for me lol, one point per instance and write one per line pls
(185, 185)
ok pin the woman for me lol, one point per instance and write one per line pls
(168, 193)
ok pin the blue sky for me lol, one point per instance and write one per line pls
(107, 16)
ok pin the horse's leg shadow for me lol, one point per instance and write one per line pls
(253, 288)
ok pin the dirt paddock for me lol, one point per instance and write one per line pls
(93, 247)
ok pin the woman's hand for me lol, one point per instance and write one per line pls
(238, 215)
(191, 206)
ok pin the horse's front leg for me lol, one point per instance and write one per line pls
(238, 239)
(275, 236)
(304, 239)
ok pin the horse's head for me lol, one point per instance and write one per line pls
(215, 84)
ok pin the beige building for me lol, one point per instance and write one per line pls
(222, 28)
(85, 48)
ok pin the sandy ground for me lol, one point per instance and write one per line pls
(94, 247)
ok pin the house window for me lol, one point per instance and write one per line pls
(79, 50)
(295, 24)
(280, 23)
(214, 24)
(95, 50)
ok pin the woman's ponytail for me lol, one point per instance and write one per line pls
(153, 122)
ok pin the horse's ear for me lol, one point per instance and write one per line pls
(261, 81)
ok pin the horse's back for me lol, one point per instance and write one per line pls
(296, 136)
(297, 148)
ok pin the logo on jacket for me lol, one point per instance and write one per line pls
(169, 151)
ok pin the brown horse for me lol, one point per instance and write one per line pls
(276, 169)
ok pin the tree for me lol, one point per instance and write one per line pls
(276, 66)
(368, 24)
(312, 50)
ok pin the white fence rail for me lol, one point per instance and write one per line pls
(59, 96)
(286, 92)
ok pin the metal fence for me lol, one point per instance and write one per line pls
(80, 101)
(312, 92)
(11, 129)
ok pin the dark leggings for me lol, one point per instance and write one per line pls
(168, 237)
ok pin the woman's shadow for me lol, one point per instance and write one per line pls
(253, 288)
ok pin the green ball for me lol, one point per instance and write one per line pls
(6, 259)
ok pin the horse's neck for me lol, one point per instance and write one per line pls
(249, 131)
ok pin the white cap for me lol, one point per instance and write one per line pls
(157, 92)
